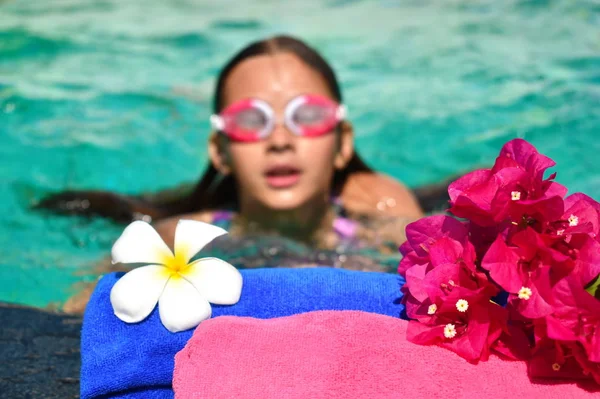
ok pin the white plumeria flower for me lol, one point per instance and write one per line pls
(183, 289)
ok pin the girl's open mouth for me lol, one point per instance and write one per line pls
(282, 176)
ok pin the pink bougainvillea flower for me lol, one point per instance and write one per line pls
(573, 243)
(447, 250)
(522, 275)
(531, 300)
(560, 359)
(513, 188)
(510, 266)
(409, 260)
(513, 344)
(405, 248)
(450, 298)
(444, 279)
(483, 237)
(584, 253)
(537, 250)
(582, 214)
(414, 286)
(456, 264)
(426, 287)
(531, 206)
(471, 196)
(576, 316)
(524, 195)
(503, 265)
(465, 322)
(590, 368)
(520, 234)
(520, 153)
(423, 233)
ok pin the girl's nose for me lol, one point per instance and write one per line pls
(281, 138)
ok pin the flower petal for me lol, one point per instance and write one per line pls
(216, 280)
(422, 233)
(140, 243)
(192, 235)
(135, 295)
(181, 306)
(502, 263)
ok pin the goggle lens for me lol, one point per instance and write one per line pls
(250, 120)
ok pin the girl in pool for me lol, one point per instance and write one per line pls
(282, 160)
(282, 152)
(282, 164)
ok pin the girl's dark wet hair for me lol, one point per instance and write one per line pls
(213, 191)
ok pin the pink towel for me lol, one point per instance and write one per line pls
(341, 354)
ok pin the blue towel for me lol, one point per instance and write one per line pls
(120, 360)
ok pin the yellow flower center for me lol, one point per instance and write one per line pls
(515, 195)
(175, 264)
(525, 293)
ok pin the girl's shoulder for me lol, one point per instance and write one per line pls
(378, 194)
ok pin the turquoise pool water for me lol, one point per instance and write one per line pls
(115, 95)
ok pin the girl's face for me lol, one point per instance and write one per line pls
(283, 171)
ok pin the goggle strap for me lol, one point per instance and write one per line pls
(217, 123)
(341, 113)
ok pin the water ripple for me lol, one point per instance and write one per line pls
(115, 95)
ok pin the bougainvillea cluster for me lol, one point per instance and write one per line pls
(512, 270)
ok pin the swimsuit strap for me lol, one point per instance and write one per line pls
(343, 225)
(346, 228)
(222, 219)
(222, 216)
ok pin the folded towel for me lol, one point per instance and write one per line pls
(341, 354)
(137, 360)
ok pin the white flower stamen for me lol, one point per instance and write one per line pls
(449, 331)
(515, 195)
(525, 293)
(432, 309)
(560, 232)
(573, 220)
(462, 305)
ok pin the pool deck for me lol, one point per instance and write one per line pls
(40, 353)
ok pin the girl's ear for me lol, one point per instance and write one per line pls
(346, 145)
(217, 151)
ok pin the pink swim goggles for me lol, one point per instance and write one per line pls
(253, 119)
